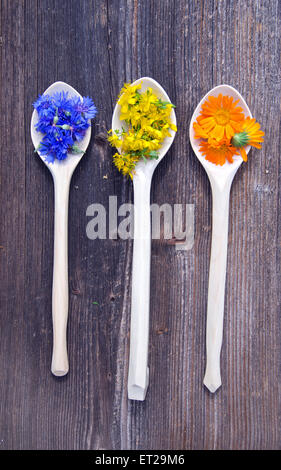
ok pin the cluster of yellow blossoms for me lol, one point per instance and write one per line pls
(147, 122)
(224, 131)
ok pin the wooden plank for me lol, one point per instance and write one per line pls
(96, 46)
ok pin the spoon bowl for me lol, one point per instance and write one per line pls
(219, 172)
(138, 376)
(150, 165)
(61, 172)
(221, 178)
(69, 164)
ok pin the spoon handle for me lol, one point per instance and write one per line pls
(60, 294)
(217, 273)
(139, 333)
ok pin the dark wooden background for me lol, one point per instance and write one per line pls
(189, 47)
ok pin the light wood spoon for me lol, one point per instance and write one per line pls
(61, 172)
(221, 178)
(138, 377)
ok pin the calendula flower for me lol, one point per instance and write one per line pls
(218, 152)
(220, 117)
(199, 132)
(251, 135)
(224, 131)
(148, 123)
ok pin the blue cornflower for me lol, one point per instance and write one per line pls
(46, 148)
(45, 106)
(85, 107)
(45, 124)
(75, 123)
(78, 125)
(56, 145)
(63, 121)
(62, 102)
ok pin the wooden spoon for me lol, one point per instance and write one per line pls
(221, 178)
(139, 334)
(61, 172)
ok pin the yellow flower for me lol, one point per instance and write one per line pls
(128, 97)
(153, 132)
(148, 123)
(173, 127)
(125, 164)
(115, 140)
(118, 161)
(147, 99)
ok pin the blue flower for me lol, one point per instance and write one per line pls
(56, 145)
(78, 125)
(62, 102)
(75, 123)
(85, 107)
(44, 125)
(45, 106)
(63, 121)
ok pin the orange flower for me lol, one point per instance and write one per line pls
(220, 117)
(218, 152)
(199, 132)
(250, 135)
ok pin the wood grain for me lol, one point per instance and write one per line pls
(96, 46)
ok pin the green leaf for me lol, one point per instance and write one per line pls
(163, 104)
(153, 155)
(76, 149)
